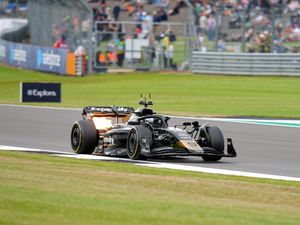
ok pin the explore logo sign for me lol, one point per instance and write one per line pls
(40, 92)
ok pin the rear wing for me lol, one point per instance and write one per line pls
(107, 110)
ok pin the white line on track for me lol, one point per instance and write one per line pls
(219, 171)
(22, 149)
(155, 164)
(41, 107)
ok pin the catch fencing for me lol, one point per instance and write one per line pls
(96, 44)
(71, 20)
(283, 64)
(50, 20)
(120, 45)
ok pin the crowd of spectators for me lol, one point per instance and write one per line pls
(256, 17)
(109, 12)
(262, 20)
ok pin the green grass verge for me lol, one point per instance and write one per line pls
(40, 189)
(174, 93)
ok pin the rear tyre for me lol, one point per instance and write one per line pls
(133, 145)
(84, 137)
(216, 141)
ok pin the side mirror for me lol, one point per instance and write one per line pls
(133, 123)
(195, 124)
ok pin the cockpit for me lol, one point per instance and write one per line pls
(155, 121)
(146, 115)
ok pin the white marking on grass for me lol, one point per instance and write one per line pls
(154, 164)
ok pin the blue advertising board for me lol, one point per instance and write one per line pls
(3, 52)
(50, 59)
(40, 92)
(33, 57)
(21, 55)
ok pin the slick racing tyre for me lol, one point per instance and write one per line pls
(84, 137)
(133, 145)
(216, 141)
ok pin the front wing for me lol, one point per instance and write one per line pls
(169, 151)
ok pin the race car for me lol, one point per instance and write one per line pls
(140, 134)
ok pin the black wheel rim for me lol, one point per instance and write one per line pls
(75, 137)
(132, 143)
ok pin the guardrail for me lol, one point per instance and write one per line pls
(246, 63)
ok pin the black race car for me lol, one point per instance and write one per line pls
(139, 134)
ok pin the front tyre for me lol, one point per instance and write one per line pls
(84, 137)
(133, 145)
(216, 141)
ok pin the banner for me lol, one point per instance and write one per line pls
(50, 59)
(46, 59)
(40, 92)
(21, 55)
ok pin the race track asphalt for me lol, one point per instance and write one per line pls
(261, 149)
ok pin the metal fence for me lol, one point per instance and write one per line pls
(246, 63)
(140, 45)
(70, 24)
(57, 22)
(51, 20)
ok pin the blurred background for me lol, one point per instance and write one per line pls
(157, 34)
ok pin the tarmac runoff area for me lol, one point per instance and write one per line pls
(266, 148)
